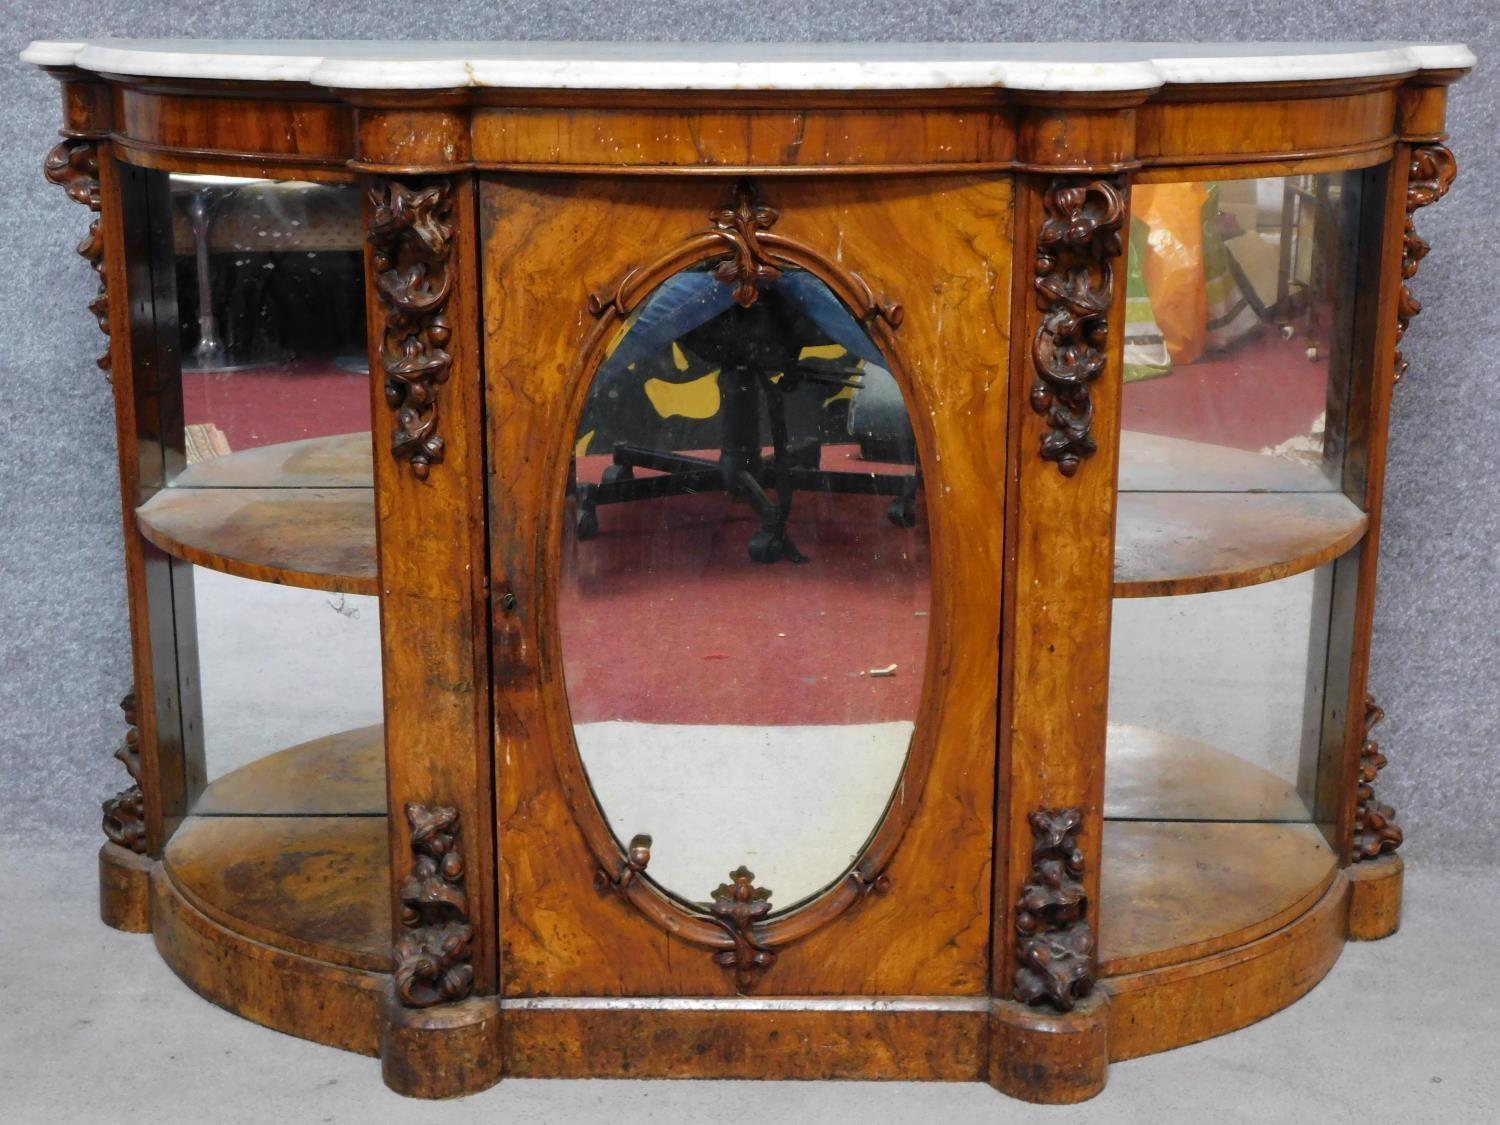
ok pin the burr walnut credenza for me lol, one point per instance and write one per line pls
(775, 561)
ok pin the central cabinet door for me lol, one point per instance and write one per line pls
(747, 448)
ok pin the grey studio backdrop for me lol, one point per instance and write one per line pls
(63, 644)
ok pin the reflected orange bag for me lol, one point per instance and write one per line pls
(1173, 214)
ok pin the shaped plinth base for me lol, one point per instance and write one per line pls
(1375, 897)
(125, 889)
(443, 1051)
(1039, 1055)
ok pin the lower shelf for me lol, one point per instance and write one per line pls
(271, 903)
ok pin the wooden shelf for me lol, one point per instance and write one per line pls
(1174, 892)
(1149, 775)
(320, 538)
(1194, 542)
(1154, 463)
(317, 886)
(291, 851)
(340, 461)
(340, 775)
(303, 514)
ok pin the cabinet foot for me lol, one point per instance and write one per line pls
(125, 889)
(1054, 1058)
(443, 1051)
(1375, 897)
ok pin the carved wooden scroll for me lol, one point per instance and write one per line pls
(1430, 176)
(749, 255)
(1078, 240)
(432, 951)
(125, 812)
(1054, 938)
(1376, 832)
(73, 164)
(411, 233)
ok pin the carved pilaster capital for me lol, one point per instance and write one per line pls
(1429, 177)
(1079, 239)
(411, 234)
(73, 164)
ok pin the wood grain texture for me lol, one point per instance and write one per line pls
(310, 885)
(441, 1052)
(247, 124)
(1173, 892)
(313, 999)
(316, 538)
(889, 1041)
(600, 138)
(938, 246)
(1157, 1010)
(1169, 543)
(1048, 1057)
(124, 889)
(1375, 898)
(339, 775)
(1218, 129)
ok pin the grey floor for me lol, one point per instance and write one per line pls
(94, 1028)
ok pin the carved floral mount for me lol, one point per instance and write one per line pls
(73, 164)
(1431, 174)
(749, 256)
(1078, 240)
(411, 233)
(125, 812)
(1055, 940)
(1376, 832)
(432, 952)
(737, 918)
(737, 906)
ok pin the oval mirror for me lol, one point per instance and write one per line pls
(745, 584)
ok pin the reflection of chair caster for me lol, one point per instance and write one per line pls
(614, 474)
(765, 546)
(588, 524)
(768, 546)
(902, 512)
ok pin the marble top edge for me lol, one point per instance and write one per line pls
(1057, 67)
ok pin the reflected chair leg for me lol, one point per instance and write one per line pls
(1048, 1057)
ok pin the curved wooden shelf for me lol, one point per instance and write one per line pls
(290, 851)
(340, 775)
(316, 886)
(340, 461)
(318, 538)
(1175, 892)
(1153, 776)
(302, 514)
(1194, 542)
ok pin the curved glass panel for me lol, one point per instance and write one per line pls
(745, 584)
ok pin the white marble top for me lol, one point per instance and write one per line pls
(1060, 67)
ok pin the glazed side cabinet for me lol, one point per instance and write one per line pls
(850, 562)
